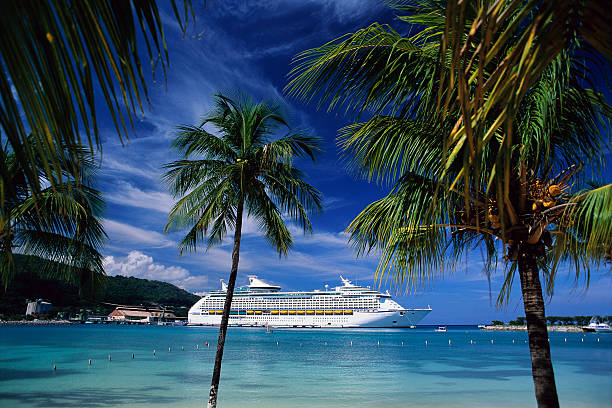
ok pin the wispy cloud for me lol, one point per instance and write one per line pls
(125, 193)
(121, 233)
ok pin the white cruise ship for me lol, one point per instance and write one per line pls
(262, 304)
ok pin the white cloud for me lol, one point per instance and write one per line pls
(120, 233)
(125, 193)
(140, 265)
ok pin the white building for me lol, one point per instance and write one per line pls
(38, 307)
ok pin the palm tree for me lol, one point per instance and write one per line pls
(61, 223)
(55, 55)
(454, 191)
(239, 166)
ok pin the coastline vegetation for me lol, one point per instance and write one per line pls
(474, 156)
(32, 282)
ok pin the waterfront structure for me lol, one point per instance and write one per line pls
(38, 307)
(140, 314)
(262, 304)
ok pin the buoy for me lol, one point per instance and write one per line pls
(449, 342)
(54, 367)
(598, 339)
(378, 344)
(132, 355)
(402, 343)
(351, 343)
(153, 351)
(491, 341)
(425, 342)
(182, 348)
(197, 346)
(277, 344)
(582, 339)
(512, 341)
(89, 362)
(525, 341)
(109, 357)
(565, 339)
(168, 349)
(207, 344)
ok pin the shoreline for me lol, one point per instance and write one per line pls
(34, 323)
(564, 329)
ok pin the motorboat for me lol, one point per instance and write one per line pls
(441, 329)
(595, 326)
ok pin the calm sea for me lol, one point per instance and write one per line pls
(305, 369)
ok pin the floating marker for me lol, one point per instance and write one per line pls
(598, 339)
(525, 341)
(54, 367)
(491, 341)
(207, 344)
(425, 342)
(197, 346)
(109, 358)
(402, 343)
(277, 344)
(565, 339)
(351, 343)
(182, 348)
(132, 356)
(153, 351)
(169, 349)
(582, 339)
(89, 362)
(449, 342)
(512, 341)
(378, 343)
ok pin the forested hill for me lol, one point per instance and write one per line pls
(30, 283)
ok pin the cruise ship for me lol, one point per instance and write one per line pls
(262, 304)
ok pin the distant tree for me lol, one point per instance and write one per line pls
(239, 167)
(520, 321)
(497, 323)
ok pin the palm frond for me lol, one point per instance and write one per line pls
(59, 52)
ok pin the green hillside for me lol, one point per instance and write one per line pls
(30, 283)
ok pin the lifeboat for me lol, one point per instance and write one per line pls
(249, 312)
(319, 312)
(329, 312)
(348, 312)
(310, 312)
(274, 312)
(258, 312)
(339, 312)
(292, 312)
(283, 312)
(301, 312)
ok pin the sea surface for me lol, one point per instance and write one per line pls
(463, 367)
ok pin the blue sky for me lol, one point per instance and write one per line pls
(248, 46)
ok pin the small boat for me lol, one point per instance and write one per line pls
(596, 326)
(441, 329)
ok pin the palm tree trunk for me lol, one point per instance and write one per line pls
(214, 386)
(539, 347)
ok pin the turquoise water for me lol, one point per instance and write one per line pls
(305, 369)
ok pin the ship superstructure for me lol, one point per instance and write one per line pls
(262, 304)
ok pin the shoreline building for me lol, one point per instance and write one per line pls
(141, 314)
(38, 307)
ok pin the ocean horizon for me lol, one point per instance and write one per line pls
(172, 367)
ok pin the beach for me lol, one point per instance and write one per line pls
(292, 368)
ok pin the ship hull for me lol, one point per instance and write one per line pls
(392, 318)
